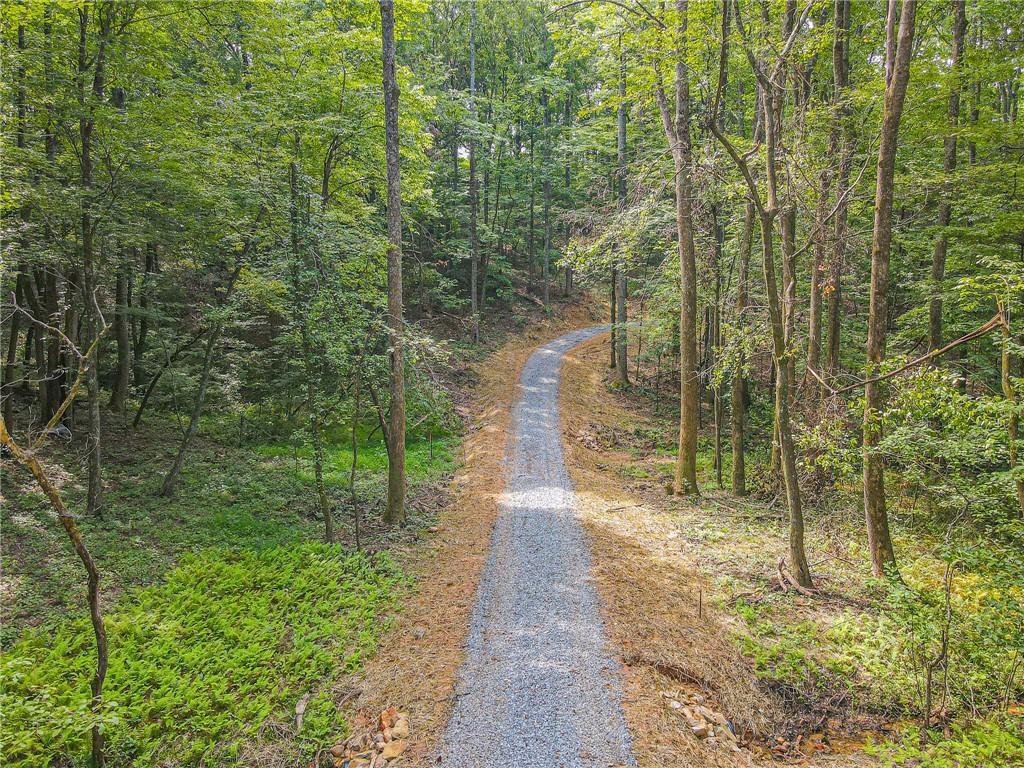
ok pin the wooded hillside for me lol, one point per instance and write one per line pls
(251, 251)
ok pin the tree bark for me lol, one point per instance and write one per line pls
(142, 340)
(677, 134)
(897, 71)
(739, 380)
(546, 264)
(840, 77)
(1013, 427)
(948, 168)
(474, 242)
(87, 99)
(395, 510)
(621, 336)
(119, 393)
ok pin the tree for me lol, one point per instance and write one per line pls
(899, 38)
(677, 133)
(395, 510)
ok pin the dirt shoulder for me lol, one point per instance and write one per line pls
(415, 667)
(659, 604)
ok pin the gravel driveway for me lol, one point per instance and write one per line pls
(538, 687)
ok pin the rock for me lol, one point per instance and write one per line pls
(388, 718)
(338, 750)
(400, 730)
(697, 698)
(700, 730)
(419, 632)
(393, 749)
(688, 714)
(674, 704)
(719, 718)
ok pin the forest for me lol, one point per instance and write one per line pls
(496, 382)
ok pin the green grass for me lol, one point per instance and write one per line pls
(230, 642)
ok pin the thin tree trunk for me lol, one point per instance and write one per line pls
(395, 510)
(356, 416)
(677, 134)
(1013, 427)
(474, 242)
(613, 316)
(86, 124)
(170, 483)
(11, 361)
(840, 76)
(739, 380)
(546, 264)
(70, 525)
(621, 335)
(141, 341)
(948, 168)
(897, 66)
(122, 335)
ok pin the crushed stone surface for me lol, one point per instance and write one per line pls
(539, 686)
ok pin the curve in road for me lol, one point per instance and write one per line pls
(538, 687)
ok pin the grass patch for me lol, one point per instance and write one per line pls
(228, 643)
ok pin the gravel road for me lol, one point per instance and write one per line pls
(538, 687)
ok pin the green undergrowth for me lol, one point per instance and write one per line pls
(248, 496)
(997, 741)
(226, 646)
(425, 458)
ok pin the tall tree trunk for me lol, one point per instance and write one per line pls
(546, 265)
(395, 509)
(474, 242)
(897, 74)
(771, 93)
(87, 100)
(621, 335)
(739, 380)
(840, 77)
(677, 134)
(948, 168)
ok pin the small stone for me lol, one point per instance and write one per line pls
(418, 633)
(706, 713)
(697, 698)
(393, 749)
(401, 729)
(338, 750)
(674, 704)
(700, 730)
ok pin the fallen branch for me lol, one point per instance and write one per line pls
(788, 581)
(995, 322)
